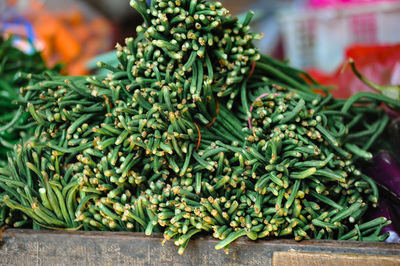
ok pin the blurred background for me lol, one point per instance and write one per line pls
(315, 35)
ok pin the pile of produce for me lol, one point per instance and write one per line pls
(14, 123)
(196, 132)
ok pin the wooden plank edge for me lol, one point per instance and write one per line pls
(242, 241)
(294, 258)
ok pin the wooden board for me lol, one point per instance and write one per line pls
(332, 259)
(29, 247)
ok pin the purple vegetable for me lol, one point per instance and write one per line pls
(387, 208)
(385, 171)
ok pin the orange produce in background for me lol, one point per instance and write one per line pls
(69, 37)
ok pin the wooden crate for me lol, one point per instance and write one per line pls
(29, 247)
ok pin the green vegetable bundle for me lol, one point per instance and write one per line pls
(196, 132)
(13, 61)
(13, 121)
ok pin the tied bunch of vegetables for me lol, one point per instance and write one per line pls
(13, 121)
(195, 132)
(121, 105)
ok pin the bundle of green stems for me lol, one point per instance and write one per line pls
(196, 132)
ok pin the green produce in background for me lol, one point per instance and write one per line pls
(13, 61)
(14, 123)
(196, 132)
